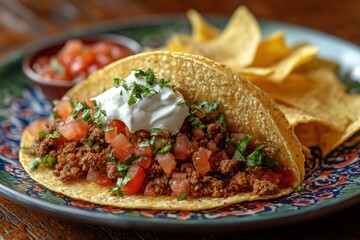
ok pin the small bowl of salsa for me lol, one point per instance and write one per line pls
(57, 67)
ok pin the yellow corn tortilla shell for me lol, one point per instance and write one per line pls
(247, 109)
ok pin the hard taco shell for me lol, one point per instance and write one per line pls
(247, 109)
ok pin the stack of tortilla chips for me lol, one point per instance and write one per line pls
(306, 87)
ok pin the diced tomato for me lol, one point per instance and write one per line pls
(180, 184)
(81, 62)
(101, 48)
(198, 133)
(146, 152)
(182, 148)
(103, 60)
(99, 178)
(110, 134)
(73, 129)
(122, 147)
(37, 126)
(178, 176)
(90, 103)
(63, 109)
(214, 114)
(271, 177)
(285, 177)
(167, 162)
(144, 162)
(116, 127)
(149, 190)
(237, 136)
(211, 145)
(165, 133)
(201, 160)
(72, 48)
(216, 158)
(136, 177)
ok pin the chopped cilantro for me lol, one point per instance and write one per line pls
(42, 134)
(132, 100)
(90, 142)
(117, 190)
(78, 107)
(164, 82)
(117, 82)
(51, 135)
(205, 107)
(112, 158)
(219, 120)
(27, 150)
(149, 76)
(99, 116)
(125, 86)
(48, 161)
(162, 147)
(36, 163)
(90, 116)
(146, 143)
(182, 197)
(255, 158)
(299, 188)
(195, 122)
(156, 132)
(181, 103)
(55, 135)
(123, 167)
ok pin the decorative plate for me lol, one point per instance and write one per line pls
(331, 183)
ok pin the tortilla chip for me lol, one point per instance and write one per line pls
(202, 31)
(352, 106)
(311, 130)
(287, 65)
(254, 73)
(271, 50)
(246, 109)
(178, 43)
(317, 92)
(316, 63)
(237, 43)
(284, 67)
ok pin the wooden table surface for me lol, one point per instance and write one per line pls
(26, 21)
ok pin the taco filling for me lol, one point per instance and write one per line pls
(141, 137)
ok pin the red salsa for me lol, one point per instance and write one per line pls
(77, 59)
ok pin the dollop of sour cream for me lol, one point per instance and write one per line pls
(163, 109)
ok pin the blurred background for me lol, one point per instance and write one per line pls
(24, 21)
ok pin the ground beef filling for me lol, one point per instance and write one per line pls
(76, 159)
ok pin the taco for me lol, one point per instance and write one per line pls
(216, 140)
